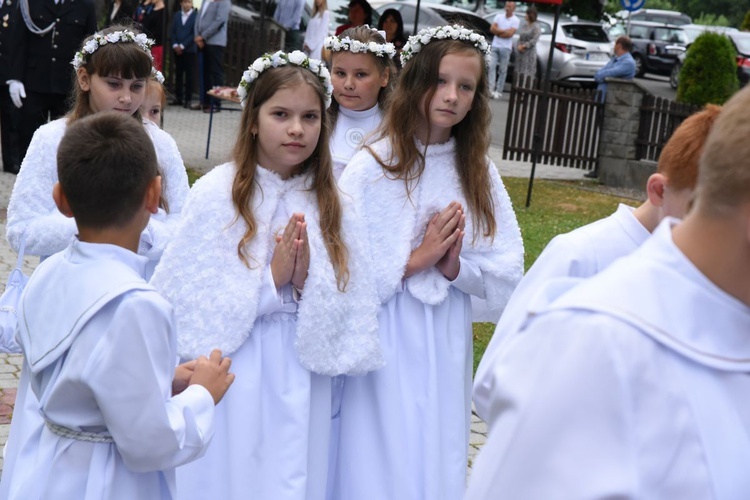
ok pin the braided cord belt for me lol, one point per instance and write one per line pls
(89, 437)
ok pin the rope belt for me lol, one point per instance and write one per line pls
(89, 437)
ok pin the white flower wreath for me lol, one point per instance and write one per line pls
(99, 40)
(337, 44)
(455, 32)
(280, 58)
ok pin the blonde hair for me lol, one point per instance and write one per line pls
(315, 8)
(724, 171)
(319, 165)
(417, 84)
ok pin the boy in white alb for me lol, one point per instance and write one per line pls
(99, 342)
(504, 26)
(590, 249)
(634, 384)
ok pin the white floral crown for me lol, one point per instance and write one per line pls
(280, 58)
(98, 40)
(337, 44)
(455, 32)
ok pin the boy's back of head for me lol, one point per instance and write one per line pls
(679, 159)
(724, 171)
(105, 163)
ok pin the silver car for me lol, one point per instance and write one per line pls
(581, 48)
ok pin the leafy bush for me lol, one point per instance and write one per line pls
(746, 22)
(709, 74)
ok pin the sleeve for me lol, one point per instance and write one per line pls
(173, 34)
(222, 15)
(565, 409)
(135, 362)
(469, 279)
(91, 19)
(624, 68)
(18, 40)
(535, 33)
(32, 212)
(269, 299)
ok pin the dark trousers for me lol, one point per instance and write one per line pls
(293, 40)
(10, 122)
(185, 67)
(213, 70)
(37, 109)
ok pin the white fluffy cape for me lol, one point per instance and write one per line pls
(215, 295)
(397, 224)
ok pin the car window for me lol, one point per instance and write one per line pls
(586, 32)
(638, 31)
(670, 35)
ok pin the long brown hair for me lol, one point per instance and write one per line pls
(365, 34)
(417, 84)
(319, 164)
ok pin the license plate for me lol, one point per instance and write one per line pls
(597, 56)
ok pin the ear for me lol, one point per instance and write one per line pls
(655, 189)
(61, 200)
(385, 76)
(84, 79)
(153, 195)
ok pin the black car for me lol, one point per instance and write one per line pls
(656, 46)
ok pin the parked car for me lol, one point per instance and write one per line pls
(694, 30)
(658, 16)
(432, 14)
(741, 42)
(581, 49)
(656, 46)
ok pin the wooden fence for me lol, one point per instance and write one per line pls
(569, 130)
(659, 118)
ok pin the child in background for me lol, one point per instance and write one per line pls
(101, 351)
(155, 101)
(421, 187)
(182, 38)
(392, 25)
(317, 29)
(268, 265)
(363, 71)
(111, 73)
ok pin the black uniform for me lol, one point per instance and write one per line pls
(42, 63)
(10, 117)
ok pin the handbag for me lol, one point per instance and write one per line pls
(9, 301)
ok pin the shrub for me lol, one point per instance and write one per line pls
(709, 74)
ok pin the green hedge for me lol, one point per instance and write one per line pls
(709, 74)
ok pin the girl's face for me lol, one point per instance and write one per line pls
(357, 80)
(390, 26)
(458, 77)
(112, 93)
(151, 106)
(357, 15)
(288, 129)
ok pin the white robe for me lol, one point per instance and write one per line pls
(316, 33)
(272, 427)
(404, 429)
(106, 368)
(352, 128)
(632, 385)
(32, 214)
(580, 253)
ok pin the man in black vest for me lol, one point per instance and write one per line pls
(44, 42)
(9, 114)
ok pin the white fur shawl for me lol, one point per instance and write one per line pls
(215, 295)
(396, 226)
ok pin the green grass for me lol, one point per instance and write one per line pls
(556, 207)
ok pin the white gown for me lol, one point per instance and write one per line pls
(33, 215)
(404, 429)
(352, 128)
(316, 33)
(106, 368)
(580, 253)
(631, 385)
(273, 425)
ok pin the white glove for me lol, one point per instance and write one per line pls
(17, 92)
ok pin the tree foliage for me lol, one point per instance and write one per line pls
(709, 74)
(734, 10)
(711, 20)
(746, 23)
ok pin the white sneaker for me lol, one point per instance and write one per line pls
(496, 95)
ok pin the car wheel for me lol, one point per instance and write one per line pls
(674, 76)
(640, 68)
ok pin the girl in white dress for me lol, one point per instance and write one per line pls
(267, 263)
(363, 74)
(317, 29)
(111, 72)
(441, 229)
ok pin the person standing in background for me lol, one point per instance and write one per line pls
(118, 11)
(9, 115)
(503, 27)
(211, 38)
(183, 44)
(149, 18)
(360, 13)
(288, 14)
(317, 29)
(528, 35)
(43, 46)
(392, 24)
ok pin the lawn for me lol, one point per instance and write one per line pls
(556, 207)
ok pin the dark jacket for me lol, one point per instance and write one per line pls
(124, 14)
(183, 34)
(42, 63)
(7, 18)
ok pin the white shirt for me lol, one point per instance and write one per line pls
(503, 22)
